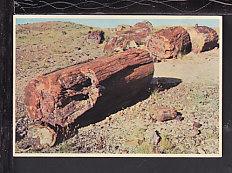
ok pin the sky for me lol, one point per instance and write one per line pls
(110, 23)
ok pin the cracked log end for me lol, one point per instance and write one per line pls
(53, 98)
(203, 38)
(169, 42)
(60, 97)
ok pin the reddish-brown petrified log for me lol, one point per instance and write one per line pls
(129, 37)
(59, 97)
(169, 42)
(203, 38)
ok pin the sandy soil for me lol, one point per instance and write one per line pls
(191, 68)
(190, 84)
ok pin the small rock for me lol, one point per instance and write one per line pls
(200, 150)
(194, 132)
(24, 144)
(64, 32)
(179, 117)
(125, 151)
(196, 125)
(156, 138)
(164, 114)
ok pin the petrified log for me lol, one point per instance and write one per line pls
(95, 37)
(169, 42)
(59, 97)
(203, 38)
(128, 37)
(137, 33)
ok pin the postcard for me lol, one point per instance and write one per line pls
(117, 86)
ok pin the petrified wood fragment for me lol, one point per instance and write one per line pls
(203, 38)
(95, 37)
(128, 37)
(162, 114)
(39, 137)
(169, 42)
(59, 97)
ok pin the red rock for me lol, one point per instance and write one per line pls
(169, 42)
(164, 114)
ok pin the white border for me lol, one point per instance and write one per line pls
(119, 17)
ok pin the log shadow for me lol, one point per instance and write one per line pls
(102, 109)
(157, 84)
(164, 83)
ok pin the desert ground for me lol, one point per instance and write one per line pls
(189, 84)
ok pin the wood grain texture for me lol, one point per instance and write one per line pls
(169, 43)
(60, 97)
